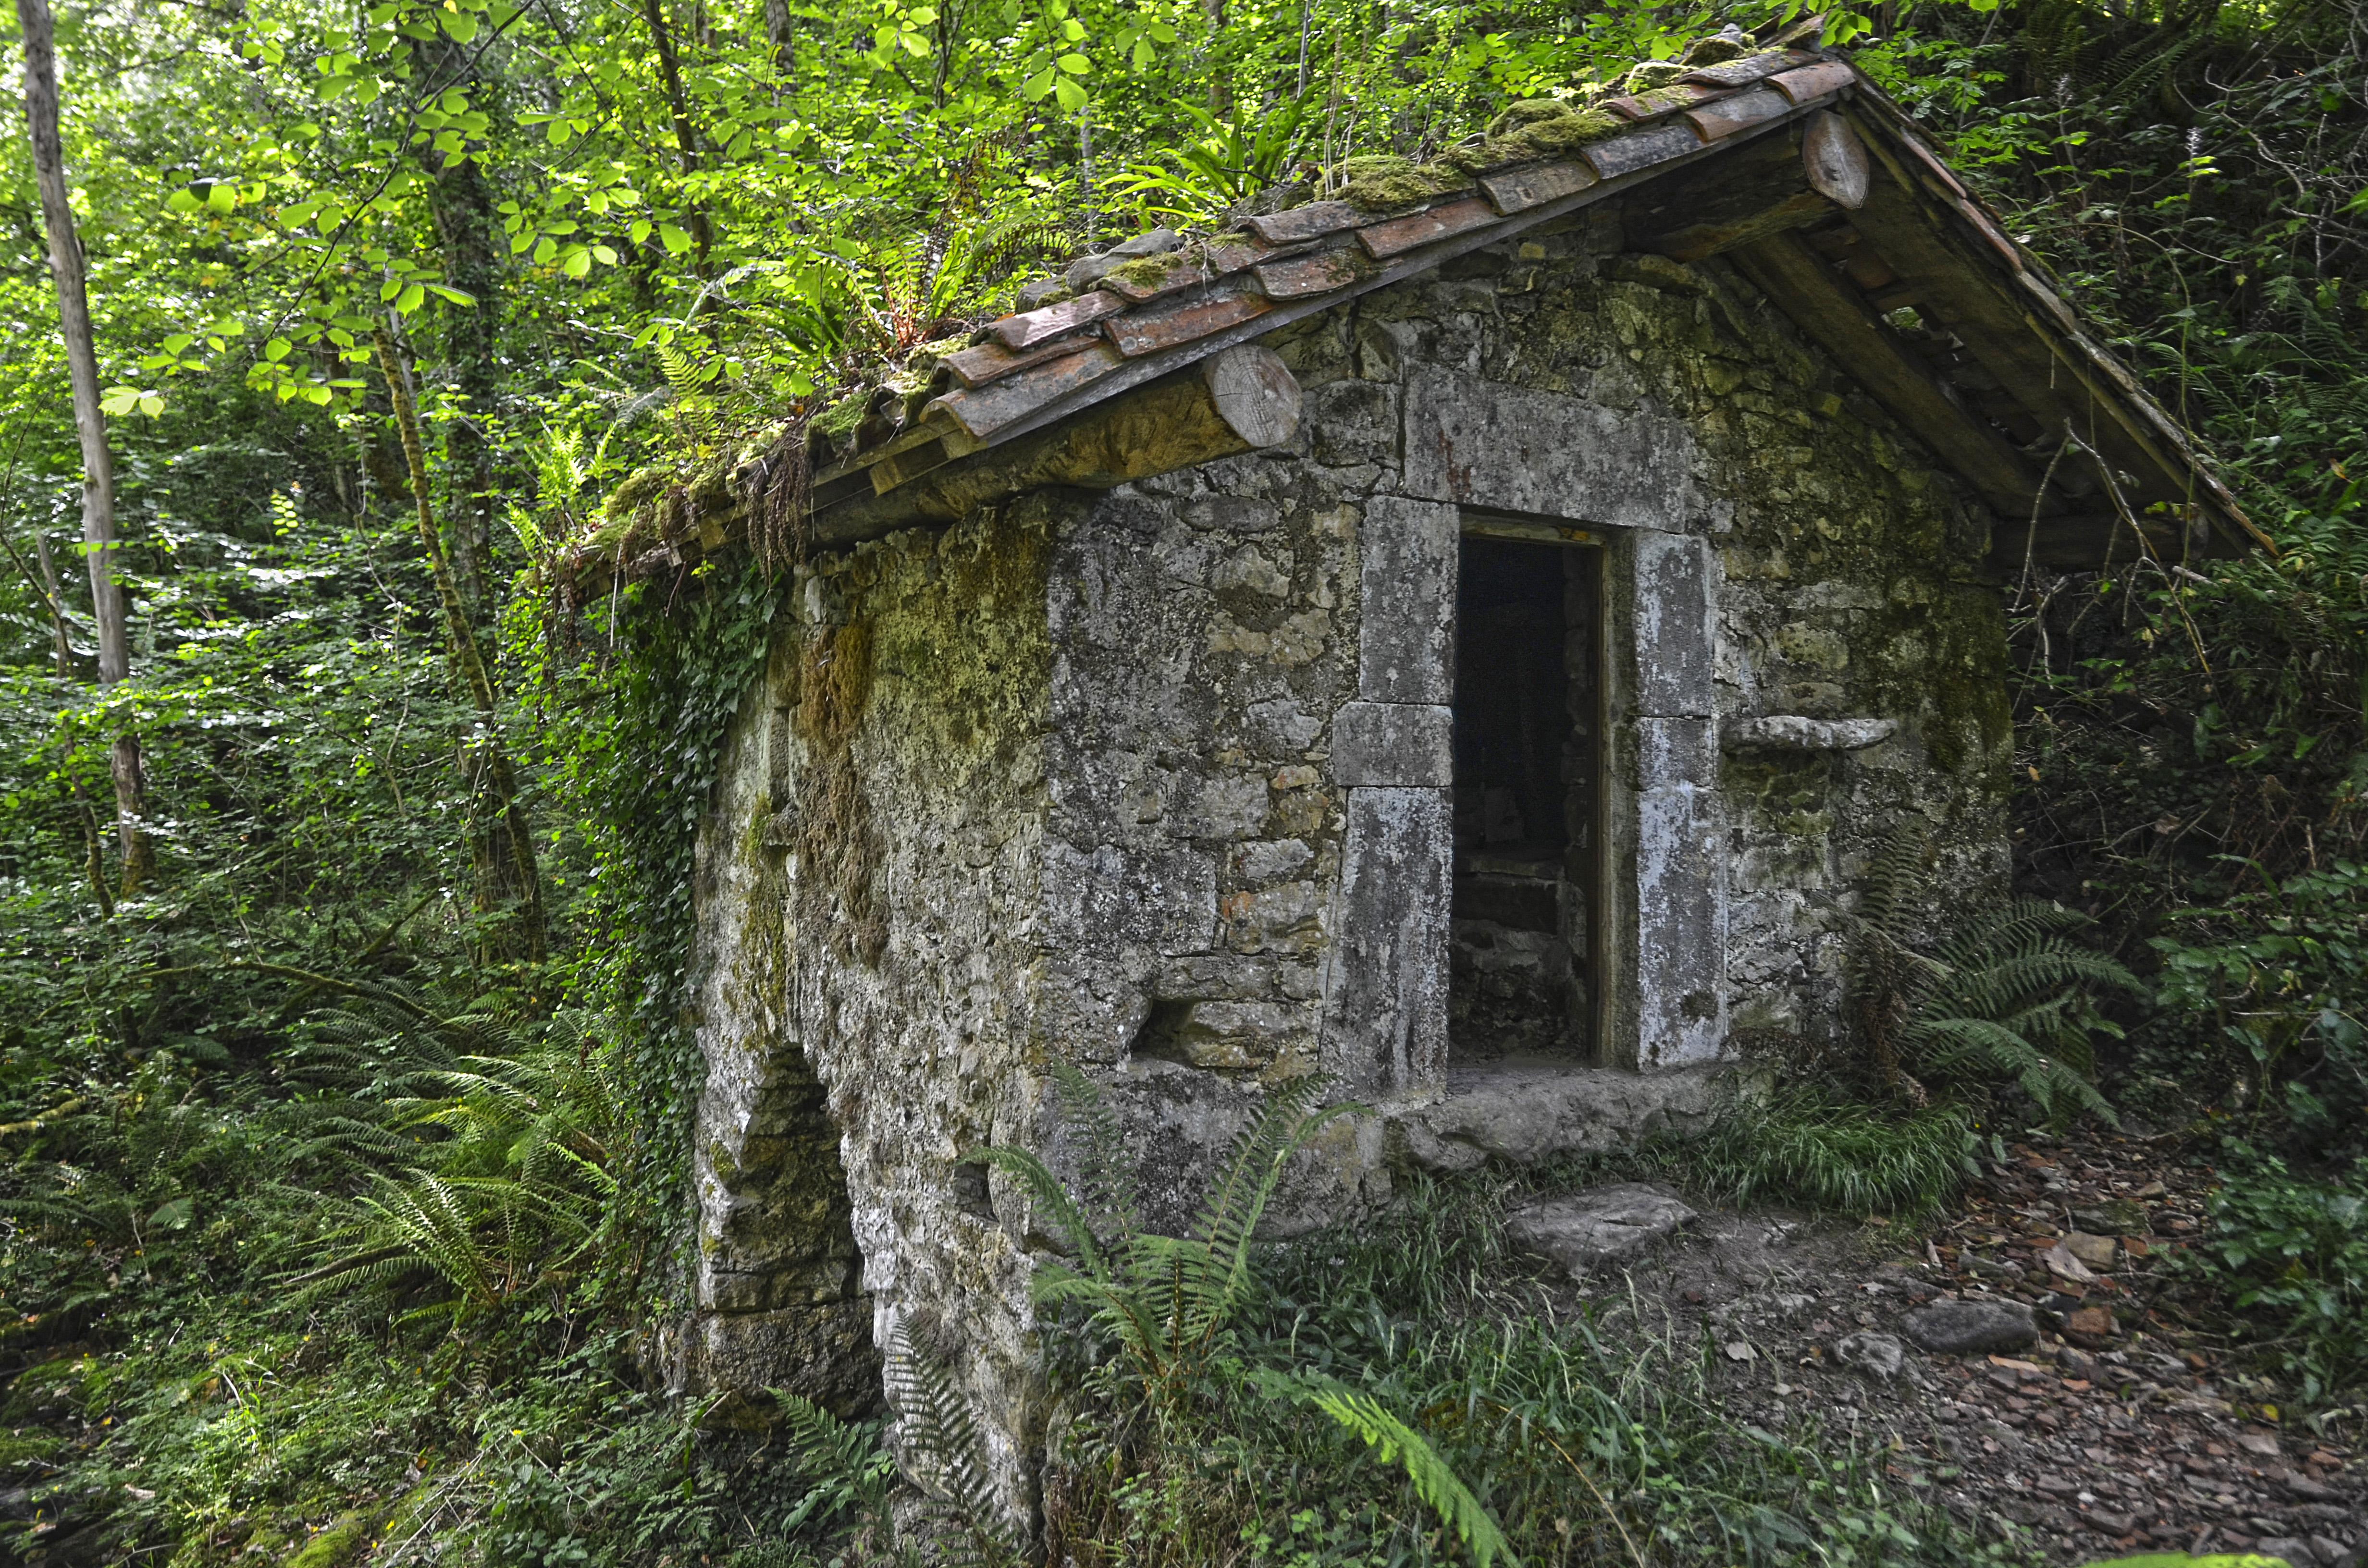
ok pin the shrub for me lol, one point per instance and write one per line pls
(2293, 1251)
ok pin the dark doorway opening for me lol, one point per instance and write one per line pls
(1527, 722)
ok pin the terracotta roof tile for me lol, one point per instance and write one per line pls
(1533, 185)
(1749, 68)
(1185, 269)
(1230, 254)
(1657, 102)
(984, 362)
(1312, 221)
(1318, 273)
(1395, 236)
(1641, 148)
(1932, 164)
(1727, 115)
(1814, 81)
(1990, 232)
(988, 409)
(1040, 325)
(1139, 332)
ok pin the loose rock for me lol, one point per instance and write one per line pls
(1878, 1356)
(2097, 1251)
(1966, 1328)
(1594, 1228)
(2293, 1550)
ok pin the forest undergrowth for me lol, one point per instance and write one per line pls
(340, 1178)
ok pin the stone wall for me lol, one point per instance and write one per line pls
(1155, 781)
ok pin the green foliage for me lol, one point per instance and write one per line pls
(1167, 1301)
(2004, 995)
(1804, 1145)
(2273, 979)
(2292, 1253)
(1441, 1489)
(846, 1466)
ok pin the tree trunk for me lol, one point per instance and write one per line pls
(462, 207)
(90, 424)
(491, 777)
(686, 135)
(57, 605)
(781, 31)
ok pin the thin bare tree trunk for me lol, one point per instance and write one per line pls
(462, 205)
(686, 135)
(57, 605)
(90, 422)
(495, 777)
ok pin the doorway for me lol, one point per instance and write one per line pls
(1523, 982)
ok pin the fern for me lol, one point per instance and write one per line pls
(844, 1462)
(1165, 1300)
(942, 1439)
(1435, 1481)
(2008, 996)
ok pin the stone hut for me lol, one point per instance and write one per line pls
(1464, 640)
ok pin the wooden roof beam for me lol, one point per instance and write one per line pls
(1804, 288)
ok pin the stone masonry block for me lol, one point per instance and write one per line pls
(1385, 1026)
(1676, 621)
(1384, 743)
(1483, 443)
(1108, 898)
(1676, 750)
(1406, 650)
(1680, 927)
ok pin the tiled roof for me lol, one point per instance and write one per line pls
(1999, 371)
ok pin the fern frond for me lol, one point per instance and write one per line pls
(1435, 1481)
(940, 1432)
(843, 1462)
(1230, 1217)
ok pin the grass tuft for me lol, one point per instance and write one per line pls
(1806, 1147)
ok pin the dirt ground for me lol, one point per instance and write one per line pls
(2122, 1428)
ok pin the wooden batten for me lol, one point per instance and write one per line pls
(1804, 288)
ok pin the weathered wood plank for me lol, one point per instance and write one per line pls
(1968, 291)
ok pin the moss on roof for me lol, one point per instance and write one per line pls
(1379, 182)
(1536, 128)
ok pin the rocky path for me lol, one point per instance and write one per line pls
(2026, 1358)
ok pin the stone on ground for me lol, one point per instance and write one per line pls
(1966, 1328)
(1589, 1229)
(2297, 1552)
(1878, 1356)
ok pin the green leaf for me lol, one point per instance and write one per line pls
(172, 1216)
(1069, 94)
(1075, 64)
(677, 241)
(410, 300)
(460, 25)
